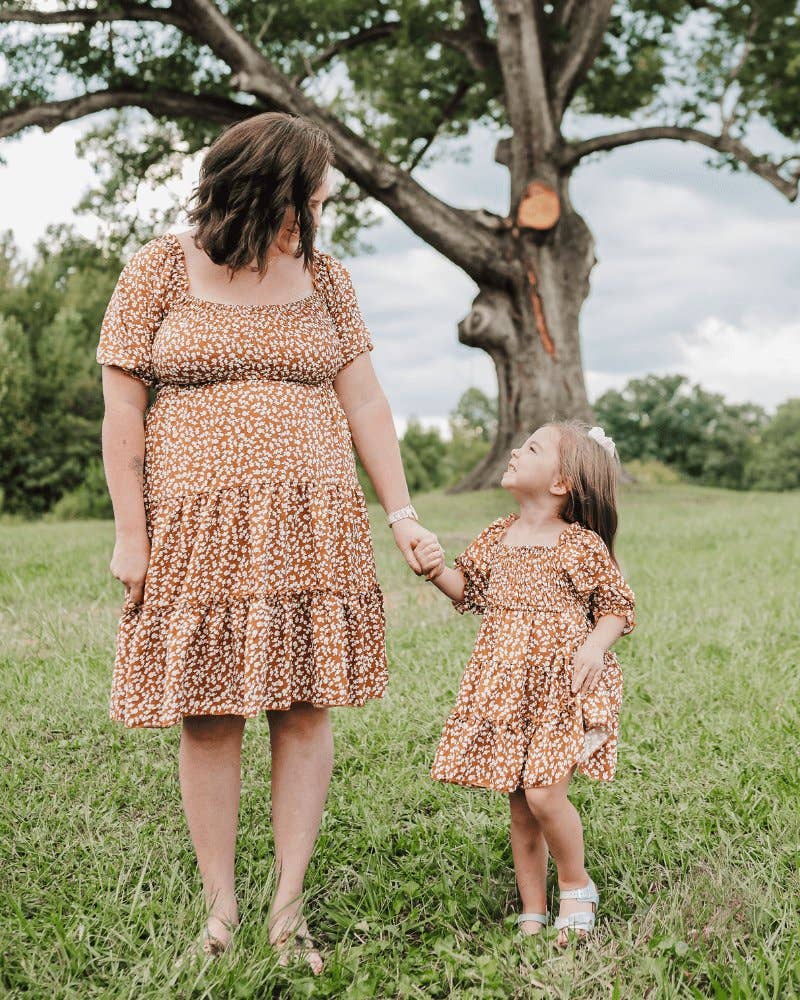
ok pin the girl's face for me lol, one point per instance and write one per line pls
(288, 239)
(533, 469)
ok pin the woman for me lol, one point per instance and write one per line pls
(242, 534)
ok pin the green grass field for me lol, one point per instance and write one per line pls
(694, 846)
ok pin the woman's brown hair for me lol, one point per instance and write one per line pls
(252, 172)
(591, 474)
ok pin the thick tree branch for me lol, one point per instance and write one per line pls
(519, 48)
(446, 228)
(162, 102)
(586, 27)
(118, 12)
(759, 165)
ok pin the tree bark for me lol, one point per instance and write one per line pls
(531, 331)
(529, 326)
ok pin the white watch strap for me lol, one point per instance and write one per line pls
(400, 513)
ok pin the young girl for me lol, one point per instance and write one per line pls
(541, 692)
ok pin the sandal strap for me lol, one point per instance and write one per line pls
(540, 917)
(580, 921)
(587, 892)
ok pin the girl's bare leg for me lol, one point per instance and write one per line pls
(563, 831)
(209, 763)
(529, 848)
(302, 761)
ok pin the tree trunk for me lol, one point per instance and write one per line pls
(531, 332)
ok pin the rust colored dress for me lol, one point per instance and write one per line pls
(261, 589)
(516, 723)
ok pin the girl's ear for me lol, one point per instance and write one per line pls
(560, 487)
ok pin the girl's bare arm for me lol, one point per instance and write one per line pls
(450, 582)
(431, 557)
(606, 632)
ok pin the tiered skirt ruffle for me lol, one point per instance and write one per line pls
(257, 596)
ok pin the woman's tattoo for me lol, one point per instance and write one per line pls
(137, 465)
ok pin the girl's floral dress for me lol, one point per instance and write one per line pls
(516, 723)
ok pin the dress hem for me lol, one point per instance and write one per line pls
(249, 713)
(505, 790)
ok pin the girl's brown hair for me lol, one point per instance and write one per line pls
(252, 172)
(591, 474)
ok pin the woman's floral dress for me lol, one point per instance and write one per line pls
(261, 589)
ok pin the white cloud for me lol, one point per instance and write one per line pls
(754, 362)
(749, 363)
(599, 382)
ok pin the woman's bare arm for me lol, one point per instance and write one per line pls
(372, 429)
(123, 461)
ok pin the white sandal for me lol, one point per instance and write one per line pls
(541, 918)
(584, 919)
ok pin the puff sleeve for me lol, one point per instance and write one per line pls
(475, 563)
(342, 304)
(135, 311)
(597, 578)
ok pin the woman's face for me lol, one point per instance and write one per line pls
(288, 238)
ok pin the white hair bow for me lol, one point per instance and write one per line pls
(600, 437)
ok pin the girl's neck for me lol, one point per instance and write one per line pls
(535, 516)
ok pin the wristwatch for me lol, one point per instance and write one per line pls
(398, 515)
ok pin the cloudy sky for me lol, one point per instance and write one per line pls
(698, 269)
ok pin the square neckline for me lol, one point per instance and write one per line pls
(511, 548)
(187, 294)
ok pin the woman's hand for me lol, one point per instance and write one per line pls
(587, 665)
(407, 533)
(430, 555)
(129, 563)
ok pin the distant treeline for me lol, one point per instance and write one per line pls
(664, 428)
(51, 404)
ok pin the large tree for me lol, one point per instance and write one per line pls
(389, 80)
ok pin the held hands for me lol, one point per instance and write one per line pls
(587, 665)
(129, 564)
(430, 556)
(408, 533)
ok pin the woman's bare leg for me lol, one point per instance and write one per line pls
(302, 761)
(529, 848)
(563, 831)
(209, 764)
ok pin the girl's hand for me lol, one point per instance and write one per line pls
(407, 533)
(431, 557)
(587, 665)
(129, 564)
